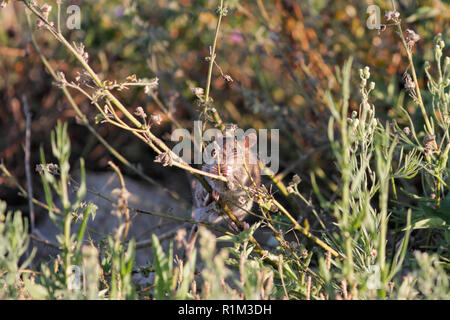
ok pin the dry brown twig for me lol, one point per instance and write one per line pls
(27, 160)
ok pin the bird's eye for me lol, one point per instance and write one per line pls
(213, 153)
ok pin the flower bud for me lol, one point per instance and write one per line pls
(367, 72)
(296, 179)
(446, 62)
(363, 83)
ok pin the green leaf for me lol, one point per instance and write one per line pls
(188, 275)
(427, 223)
(440, 213)
(163, 267)
(37, 291)
(444, 208)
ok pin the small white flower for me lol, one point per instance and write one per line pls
(197, 91)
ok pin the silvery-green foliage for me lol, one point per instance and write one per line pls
(14, 243)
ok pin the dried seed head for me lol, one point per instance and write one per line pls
(273, 208)
(61, 81)
(131, 78)
(304, 253)
(79, 48)
(429, 143)
(140, 112)
(49, 167)
(411, 35)
(197, 91)
(392, 15)
(39, 24)
(429, 139)
(165, 159)
(411, 38)
(290, 189)
(46, 9)
(40, 168)
(156, 118)
(409, 84)
(148, 90)
(296, 179)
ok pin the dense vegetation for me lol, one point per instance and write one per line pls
(360, 208)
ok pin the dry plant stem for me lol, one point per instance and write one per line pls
(127, 213)
(308, 289)
(100, 195)
(305, 232)
(416, 83)
(154, 142)
(20, 271)
(24, 193)
(85, 122)
(263, 10)
(44, 241)
(86, 66)
(58, 3)
(213, 55)
(27, 161)
(280, 185)
(280, 270)
(164, 109)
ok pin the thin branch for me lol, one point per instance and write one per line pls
(27, 160)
